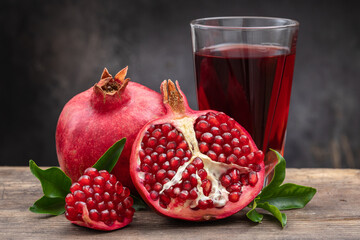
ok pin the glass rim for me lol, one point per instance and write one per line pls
(290, 23)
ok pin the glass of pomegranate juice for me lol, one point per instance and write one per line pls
(244, 67)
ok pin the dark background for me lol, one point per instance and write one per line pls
(52, 50)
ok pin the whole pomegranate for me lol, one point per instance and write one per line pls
(94, 120)
(195, 165)
(97, 200)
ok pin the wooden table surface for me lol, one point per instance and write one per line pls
(334, 213)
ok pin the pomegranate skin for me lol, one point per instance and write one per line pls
(176, 203)
(94, 120)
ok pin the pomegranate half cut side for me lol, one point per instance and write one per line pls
(195, 165)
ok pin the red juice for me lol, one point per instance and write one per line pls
(252, 84)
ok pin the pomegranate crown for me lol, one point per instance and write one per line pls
(111, 86)
(173, 97)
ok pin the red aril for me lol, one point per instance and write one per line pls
(97, 200)
(94, 120)
(207, 165)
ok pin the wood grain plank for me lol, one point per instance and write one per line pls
(334, 213)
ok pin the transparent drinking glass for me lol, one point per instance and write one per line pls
(244, 67)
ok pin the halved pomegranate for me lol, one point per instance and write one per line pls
(195, 165)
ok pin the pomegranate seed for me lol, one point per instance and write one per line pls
(187, 185)
(176, 191)
(212, 155)
(213, 121)
(110, 205)
(203, 147)
(151, 128)
(255, 167)
(234, 175)
(219, 140)
(235, 187)
(162, 158)
(222, 117)
(113, 215)
(244, 139)
(174, 163)
(155, 167)
(154, 195)
(231, 122)
(193, 193)
(141, 154)
(157, 187)
(106, 196)
(71, 213)
(146, 136)
(79, 195)
(172, 135)
(171, 145)
(166, 165)
(215, 131)
(198, 163)
(160, 149)
(157, 133)
(227, 149)
(193, 179)
(182, 145)
(225, 180)
(234, 196)
(202, 117)
(237, 151)
(165, 199)
(224, 128)
(118, 187)
(129, 213)
(101, 206)
(206, 185)
(98, 189)
(120, 207)
(128, 202)
(253, 178)
(227, 137)
(259, 156)
(171, 174)
(244, 179)
(210, 203)
(160, 175)
(185, 174)
(207, 137)
(151, 142)
(154, 156)
(147, 187)
(222, 158)
(91, 172)
(112, 179)
(148, 150)
(188, 154)
(242, 161)
(89, 191)
(94, 215)
(198, 134)
(105, 215)
(170, 153)
(191, 168)
(202, 126)
(98, 197)
(145, 167)
(216, 148)
(162, 141)
(165, 181)
(202, 174)
(184, 194)
(84, 180)
(166, 128)
(69, 199)
(231, 159)
(147, 160)
(180, 153)
(179, 138)
(250, 157)
(235, 133)
(235, 142)
(202, 204)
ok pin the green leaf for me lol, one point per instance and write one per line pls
(139, 204)
(278, 178)
(289, 196)
(254, 216)
(54, 182)
(109, 159)
(53, 206)
(274, 211)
